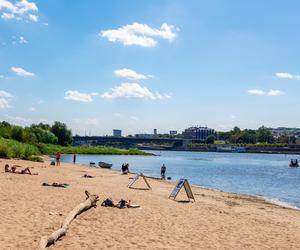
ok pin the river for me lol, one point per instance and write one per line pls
(263, 175)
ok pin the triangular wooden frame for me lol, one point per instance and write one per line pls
(135, 178)
(182, 183)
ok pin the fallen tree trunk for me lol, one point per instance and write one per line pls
(90, 201)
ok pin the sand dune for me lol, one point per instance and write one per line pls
(217, 220)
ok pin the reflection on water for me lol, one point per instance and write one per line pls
(255, 174)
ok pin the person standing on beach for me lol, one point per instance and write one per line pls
(74, 158)
(57, 159)
(163, 171)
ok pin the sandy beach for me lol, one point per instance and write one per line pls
(217, 220)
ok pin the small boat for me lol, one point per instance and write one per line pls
(294, 163)
(92, 164)
(102, 164)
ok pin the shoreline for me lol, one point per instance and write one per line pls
(270, 200)
(216, 220)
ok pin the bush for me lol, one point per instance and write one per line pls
(4, 151)
(13, 149)
(35, 158)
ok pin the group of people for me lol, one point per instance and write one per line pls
(125, 170)
(57, 158)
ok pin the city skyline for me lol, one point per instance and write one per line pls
(137, 66)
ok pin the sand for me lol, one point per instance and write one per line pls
(217, 220)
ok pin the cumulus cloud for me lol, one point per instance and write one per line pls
(20, 10)
(139, 34)
(284, 75)
(132, 90)
(274, 92)
(271, 92)
(75, 95)
(22, 40)
(33, 18)
(21, 72)
(256, 92)
(130, 74)
(4, 99)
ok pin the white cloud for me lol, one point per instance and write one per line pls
(33, 18)
(5, 94)
(22, 9)
(32, 109)
(4, 103)
(21, 72)
(275, 92)
(284, 75)
(129, 74)
(4, 99)
(75, 95)
(139, 34)
(22, 40)
(256, 92)
(271, 92)
(132, 90)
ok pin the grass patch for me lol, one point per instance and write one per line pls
(14, 149)
(50, 149)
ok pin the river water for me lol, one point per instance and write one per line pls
(265, 175)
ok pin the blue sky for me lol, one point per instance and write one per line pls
(139, 65)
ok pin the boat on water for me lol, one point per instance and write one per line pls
(294, 163)
(102, 164)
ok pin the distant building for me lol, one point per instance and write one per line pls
(173, 132)
(155, 132)
(283, 131)
(197, 133)
(144, 135)
(117, 133)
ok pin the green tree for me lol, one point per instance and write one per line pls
(17, 133)
(63, 134)
(264, 135)
(248, 136)
(210, 139)
(28, 136)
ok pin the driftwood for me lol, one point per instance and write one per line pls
(90, 201)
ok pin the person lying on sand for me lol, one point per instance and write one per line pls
(13, 170)
(121, 204)
(87, 176)
(54, 184)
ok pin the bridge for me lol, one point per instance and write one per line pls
(125, 142)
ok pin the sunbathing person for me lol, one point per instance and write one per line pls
(55, 184)
(121, 204)
(87, 176)
(13, 170)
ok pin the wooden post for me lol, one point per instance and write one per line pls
(90, 201)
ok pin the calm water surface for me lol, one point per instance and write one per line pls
(255, 174)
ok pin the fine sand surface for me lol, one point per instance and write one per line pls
(217, 220)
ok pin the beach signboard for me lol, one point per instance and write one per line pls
(135, 178)
(182, 183)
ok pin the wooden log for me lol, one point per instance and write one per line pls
(91, 201)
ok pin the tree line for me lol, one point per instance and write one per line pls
(252, 136)
(58, 133)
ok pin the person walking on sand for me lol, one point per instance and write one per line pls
(74, 158)
(57, 159)
(163, 171)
